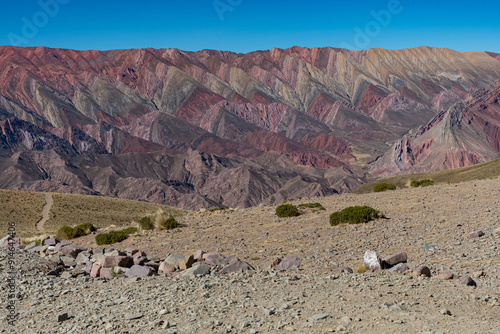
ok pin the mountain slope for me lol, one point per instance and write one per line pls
(466, 134)
(284, 122)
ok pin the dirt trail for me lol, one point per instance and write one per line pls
(45, 211)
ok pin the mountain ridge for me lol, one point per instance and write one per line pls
(298, 108)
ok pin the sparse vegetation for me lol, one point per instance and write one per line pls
(482, 171)
(99, 210)
(129, 230)
(216, 209)
(146, 223)
(170, 223)
(67, 232)
(422, 183)
(114, 236)
(380, 187)
(360, 269)
(354, 215)
(315, 205)
(287, 210)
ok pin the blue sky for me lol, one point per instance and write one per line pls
(245, 25)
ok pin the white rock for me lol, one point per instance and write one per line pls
(372, 261)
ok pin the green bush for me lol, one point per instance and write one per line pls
(287, 210)
(65, 233)
(383, 187)
(171, 223)
(354, 215)
(78, 232)
(87, 228)
(114, 236)
(110, 238)
(147, 223)
(422, 183)
(216, 209)
(129, 230)
(315, 205)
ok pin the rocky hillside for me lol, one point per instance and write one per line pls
(198, 129)
(447, 281)
(464, 135)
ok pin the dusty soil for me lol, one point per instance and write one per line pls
(294, 301)
(45, 211)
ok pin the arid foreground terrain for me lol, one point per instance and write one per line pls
(311, 299)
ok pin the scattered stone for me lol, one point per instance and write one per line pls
(187, 263)
(53, 272)
(140, 260)
(476, 234)
(34, 249)
(175, 260)
(62, 317)
(445, 311)
(497, 230)
(30, 245)
(267, 311)
(394, 259)
(166, 268)
(11, 242)
(399, 268)
(106, 273)
(2, 241)
(60, 245)
(68, 261)
(214, 259)
(478, 274)
(134, 316)
(346, 270)
(422, 271)
(201, 270)
(199, 255)
(96, 269)
(131, 251)
(50, 242)
(237, 267)
(83, 257)
(341, 328)
(66, 275)
(346, 320)
(466, 280)
(154, 265)
(231, 259)
(275, 263)
(139, 254)
(119, 271)
(139, 271)
(320, 316)
(446, 276)
(430, 247)
(71, 250)
(289, 262)
(372, 261)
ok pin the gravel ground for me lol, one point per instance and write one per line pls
(312, 299)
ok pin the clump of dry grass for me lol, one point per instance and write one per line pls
(161, 219)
